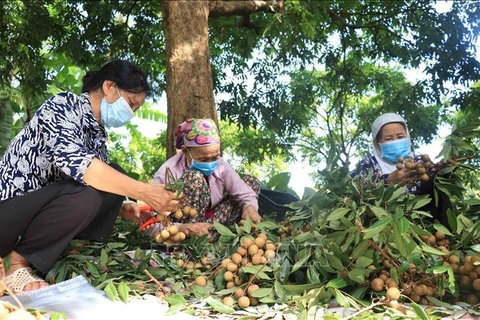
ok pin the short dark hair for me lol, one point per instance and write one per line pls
(125, 74)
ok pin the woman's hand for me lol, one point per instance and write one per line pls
(163, 201)
(198, 229)
(131, 211)
(403, 177)
(251, 213)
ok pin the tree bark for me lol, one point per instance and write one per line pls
(189, 74)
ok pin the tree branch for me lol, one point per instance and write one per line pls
(219, 8)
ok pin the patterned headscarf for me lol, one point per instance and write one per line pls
(196, 132)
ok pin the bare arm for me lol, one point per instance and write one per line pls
(101, 176)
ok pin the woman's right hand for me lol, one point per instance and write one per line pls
(403, 177)
(198, 229)
(162, 201)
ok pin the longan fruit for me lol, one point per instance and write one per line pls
(421, 170)
(242, 251)
(228, 276)
(173, 230)
(270, 246)
(260, 242)
(193, 212)
(468, 266)
(230, 284)
(228, 301)
(186, 210)
(158, 237)
(232, 267)
(400, 159)
(439, 235)
(239, 293)
(390, 282)
(178, 214)
(424, 177)
(253, 249)
(471, 299)
(201, 281)
(425, 157)
(257, 259)
(260, 252)
(165, 234)
(252, 288)
(225, 262)
(243, 302)
(179, 237)
(262, 235)
(393, 293)
(399, 166)
(180, 263)
(246, 242)
(377, 284)
(407, 289)
(236, 258)
(269, 254)
(160, 217)
(254, 301)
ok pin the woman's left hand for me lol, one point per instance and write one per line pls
(131, 211)
(251, 213)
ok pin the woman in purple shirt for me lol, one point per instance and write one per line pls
(211, 186)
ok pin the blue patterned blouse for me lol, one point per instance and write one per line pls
(60, 141)
(368, 163)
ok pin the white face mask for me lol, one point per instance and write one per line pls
(115, 114)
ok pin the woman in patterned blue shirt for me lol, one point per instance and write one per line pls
(56, 181)
(391, 140)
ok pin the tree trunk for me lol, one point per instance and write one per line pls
(189, 74)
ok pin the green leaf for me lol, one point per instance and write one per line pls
(419, 311)
(174, 309)
(175, 299)
(123, 291)
(218, 306)
(337, 283)
(363, 262)
(247, 226)
(403, 225)
(111, 291)
(357, 275)
(300, 288)
(442, 228)
(337, 214)
(432, 250)
(262, 292)
(377, 227)
(341, 299)
(302, 258)
(360, 249)
(379, 212)
(224, 231)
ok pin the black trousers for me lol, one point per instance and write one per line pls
(39, 225)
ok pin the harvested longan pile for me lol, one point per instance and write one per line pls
(252, 251)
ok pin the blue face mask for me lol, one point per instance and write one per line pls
(392, 150)
(115, 114)
(206, 168)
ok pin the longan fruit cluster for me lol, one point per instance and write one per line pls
(421, 167)
(416, 285)
(251, 252)
(468, 274)
(183, 212)
(170, 236)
